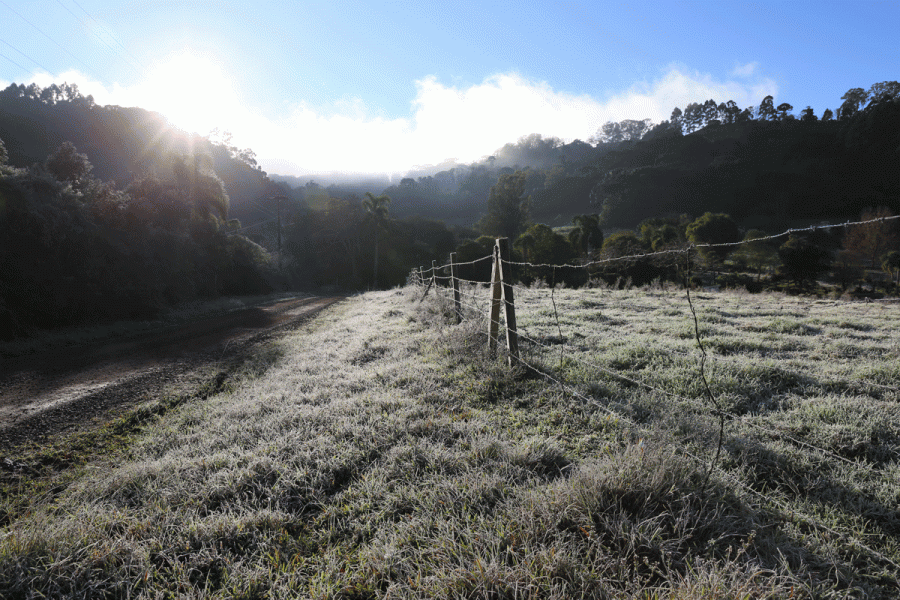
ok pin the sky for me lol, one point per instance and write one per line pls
(380, 87)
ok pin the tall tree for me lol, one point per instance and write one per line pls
(730, 112)
(714, 228)
(767, 109)
(508, 213)
(784, 111)
(693, 117)
(757, 253)
(710, 112)
(886, 90)
(586, 237)
(807, 115)
(676, 118)
(376, 213)
(853, 100)
(206, 193)
(803, 258)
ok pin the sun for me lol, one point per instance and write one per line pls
(193, 92)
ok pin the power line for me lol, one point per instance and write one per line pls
(13, 62)
(100, 39)
(25, 55)
(108, 32)
(116, 52)
(39, 30)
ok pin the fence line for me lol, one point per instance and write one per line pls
(716, 411)
(516, 333)
(721, 358)
(716, 357)
(681, 250)
(788, 513)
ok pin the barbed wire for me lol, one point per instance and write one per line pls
(788, 512)
(680, 250)
(716, 411)
(811, 228)
(690, 246)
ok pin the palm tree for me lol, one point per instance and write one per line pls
(377, 212)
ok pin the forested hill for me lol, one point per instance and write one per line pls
(764, 165)
(774, 169)
(122, 144)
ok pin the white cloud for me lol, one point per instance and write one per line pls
(679, 87)
(468, 122)
(464, 122)
(745, 70)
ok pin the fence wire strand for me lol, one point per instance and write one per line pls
(692, 402)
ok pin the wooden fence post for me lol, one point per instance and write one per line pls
(421, 276)
(430, 281)
(434, 275)
(455, 282)
(494, 319)
(512, 336)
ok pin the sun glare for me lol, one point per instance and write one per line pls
(193, 92)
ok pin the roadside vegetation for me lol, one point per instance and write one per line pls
(378, 452)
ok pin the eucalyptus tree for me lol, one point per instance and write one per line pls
(853, 100)
(766, 109)
(508, 213)
(807, 115)
(376, 208)
(784, 111)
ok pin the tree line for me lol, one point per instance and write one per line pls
(847, 257)
(77, 249)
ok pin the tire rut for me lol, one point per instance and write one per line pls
(60, 392)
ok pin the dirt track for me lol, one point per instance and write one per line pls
(61, 391)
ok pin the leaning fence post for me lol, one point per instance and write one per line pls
(421, 276)
(455, 282)
(512, 336)
(430, 282)
(494, 320)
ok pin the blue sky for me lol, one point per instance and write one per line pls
(366, 86)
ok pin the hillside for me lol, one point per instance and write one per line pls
(122, 143)
(766, 168)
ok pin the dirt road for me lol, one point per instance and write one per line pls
(66, 390)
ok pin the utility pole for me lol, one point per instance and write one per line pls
(278, 219)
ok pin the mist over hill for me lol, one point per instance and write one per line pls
(762, 163)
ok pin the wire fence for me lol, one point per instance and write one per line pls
(548, 352)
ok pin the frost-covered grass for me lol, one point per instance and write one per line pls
(382, 454)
